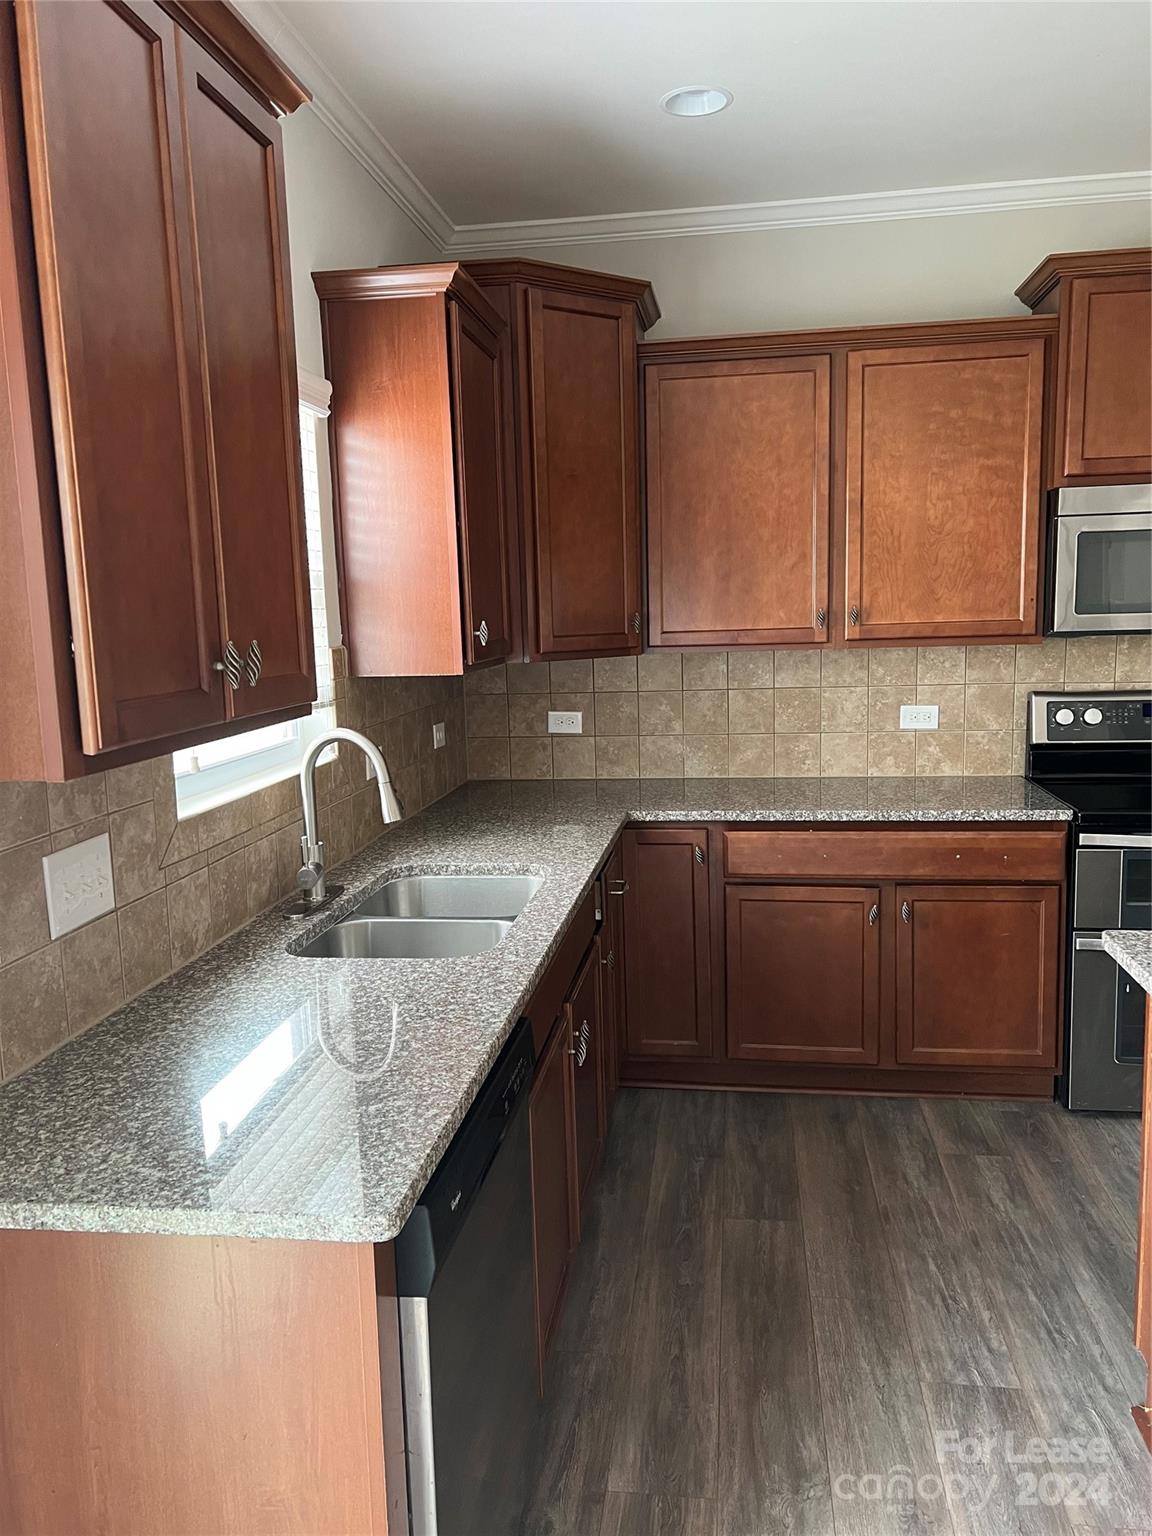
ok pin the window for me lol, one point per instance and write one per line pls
(218, 771)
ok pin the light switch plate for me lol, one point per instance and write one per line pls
(78, 884)
(438, 734)
(919, 717)
(565, 722)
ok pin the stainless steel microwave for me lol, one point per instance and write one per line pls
(1100, 561)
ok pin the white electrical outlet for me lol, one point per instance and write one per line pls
(78, 884)
(565, 722)
(919, 717)
(438, 734)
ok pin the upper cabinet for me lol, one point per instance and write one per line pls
(148, 431)
(425, 508)
(574, 420)
(1103, 416)
(943, 490)
(738, 501)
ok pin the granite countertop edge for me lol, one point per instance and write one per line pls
(1132, 949)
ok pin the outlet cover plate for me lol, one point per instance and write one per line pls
(919, 717)
(438, 735)
(78, 884)
(565, 722)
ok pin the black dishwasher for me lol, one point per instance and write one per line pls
(467, 1334)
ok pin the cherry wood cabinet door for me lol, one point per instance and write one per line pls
(583, 514)
(482, 490)
(612, 962)
(737, 494)
(583, 1020)
(1106, 388)
(251, 390)
(944, 490)
(117, 282)
(667, 955)
(977, 975)
(803, 973)
(550, 1130)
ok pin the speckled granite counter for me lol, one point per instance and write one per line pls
(264, 1094)
(1132, 949)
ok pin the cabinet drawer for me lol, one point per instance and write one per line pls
(812, 854)
(548, 997)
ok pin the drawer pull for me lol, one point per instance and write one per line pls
(618, 887)
(872, 916)
(699, 855)
(609, 960)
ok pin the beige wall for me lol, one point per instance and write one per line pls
(960, 266)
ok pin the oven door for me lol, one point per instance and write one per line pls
(1102, 573)
(1104, 1070)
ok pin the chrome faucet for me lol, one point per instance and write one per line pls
(311, 877)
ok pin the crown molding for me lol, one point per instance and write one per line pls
(799, 213)
(344, 119)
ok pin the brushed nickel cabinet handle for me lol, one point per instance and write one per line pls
(254, 663)
(874, 914)
(906, 912)
(821, 618)
(854, 615)
(609, 960)
(699, 855)
(232, 666)
(618, 887)
(635, 623)
(481, 634)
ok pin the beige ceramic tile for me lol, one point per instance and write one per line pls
(190, 916)
(335, 827)
(530, 757)
(225, 822)
(478, 680)
(228, 888)
(33, 1011)
(263, 874)
(797, 710)
(949, 700)
(136, 853)
(661, 714)
(751, 712)
(617, 714)
(884, 706)
(1091, 659)
(1134, 661)
(144, 942)
(529, 677)
(1041, 664)
(93, 980)
(705, 669)
(617, 757)
(991, 664)
(571, 676)
(661, 757)
(487, 715)
(23, 813)
(528, 714)
(751, 757)
(987, 753)
(843, 754)
(583, 704)
(844, 669)
(80, 800)
(940, 664)
(940, 753)
(891, 668)
(573, 757)
(843, 709)
(659, 672)
(174, 872)
(705, 757)
(706, 712)
(128, 786)
(798, 757)
(988, 706)
(797, 669)
(83, 833)
(751, 669)
(25, 911)
(891, 754)
(614, 674)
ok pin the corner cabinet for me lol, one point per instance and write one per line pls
(148, 441)
(574, 419)
(420, 470)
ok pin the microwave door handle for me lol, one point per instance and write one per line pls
(1083, 942)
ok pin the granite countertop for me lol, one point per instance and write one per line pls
(1132, 948)
(260, 1093)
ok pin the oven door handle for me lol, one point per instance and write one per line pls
(1081, 942)
(1114, 840)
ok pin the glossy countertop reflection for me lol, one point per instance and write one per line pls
(261, 1093)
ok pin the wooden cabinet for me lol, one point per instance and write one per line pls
(148, 427)
(419, 468)
(551, 1134)
(612, 962)
(943, 490)
(667, 952)
(738, 501)
(1103, 415)
(977, 975)
(575, 422)
(584, 1033)
(803, 973)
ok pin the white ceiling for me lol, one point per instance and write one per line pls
(512, 111)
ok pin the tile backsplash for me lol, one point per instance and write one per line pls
(181, 886)
(783, 714)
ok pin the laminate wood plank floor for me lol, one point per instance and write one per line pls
(802, 1316)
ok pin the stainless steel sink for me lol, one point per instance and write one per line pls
(452, 896)
(405, 938)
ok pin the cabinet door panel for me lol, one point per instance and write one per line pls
(666, 942)
(977, 975)
(114, 254)
(550, 1125)
(584, 1022)
(943, 490)
(481, 485)
(737, 492)
(251, 385)
(612, 959)
(1108, 382)
(803, 973)
(585, 513)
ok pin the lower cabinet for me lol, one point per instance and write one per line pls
(668, 945)
(550, 1128)
(583, 1028)
(977, 975)
(803, 973)
(612, 974)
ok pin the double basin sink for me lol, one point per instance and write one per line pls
(427, 917)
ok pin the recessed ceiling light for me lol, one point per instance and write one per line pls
(696, 100)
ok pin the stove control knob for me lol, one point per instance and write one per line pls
(1064, 717)
(1092, 716)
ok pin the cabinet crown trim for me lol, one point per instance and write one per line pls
(835, 338)
(595, 285)
(424, 281)
(220, 28)
(1037, 286)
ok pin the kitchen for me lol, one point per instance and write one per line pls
(574, 783)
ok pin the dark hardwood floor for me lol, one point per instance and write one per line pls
(849, 1317)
